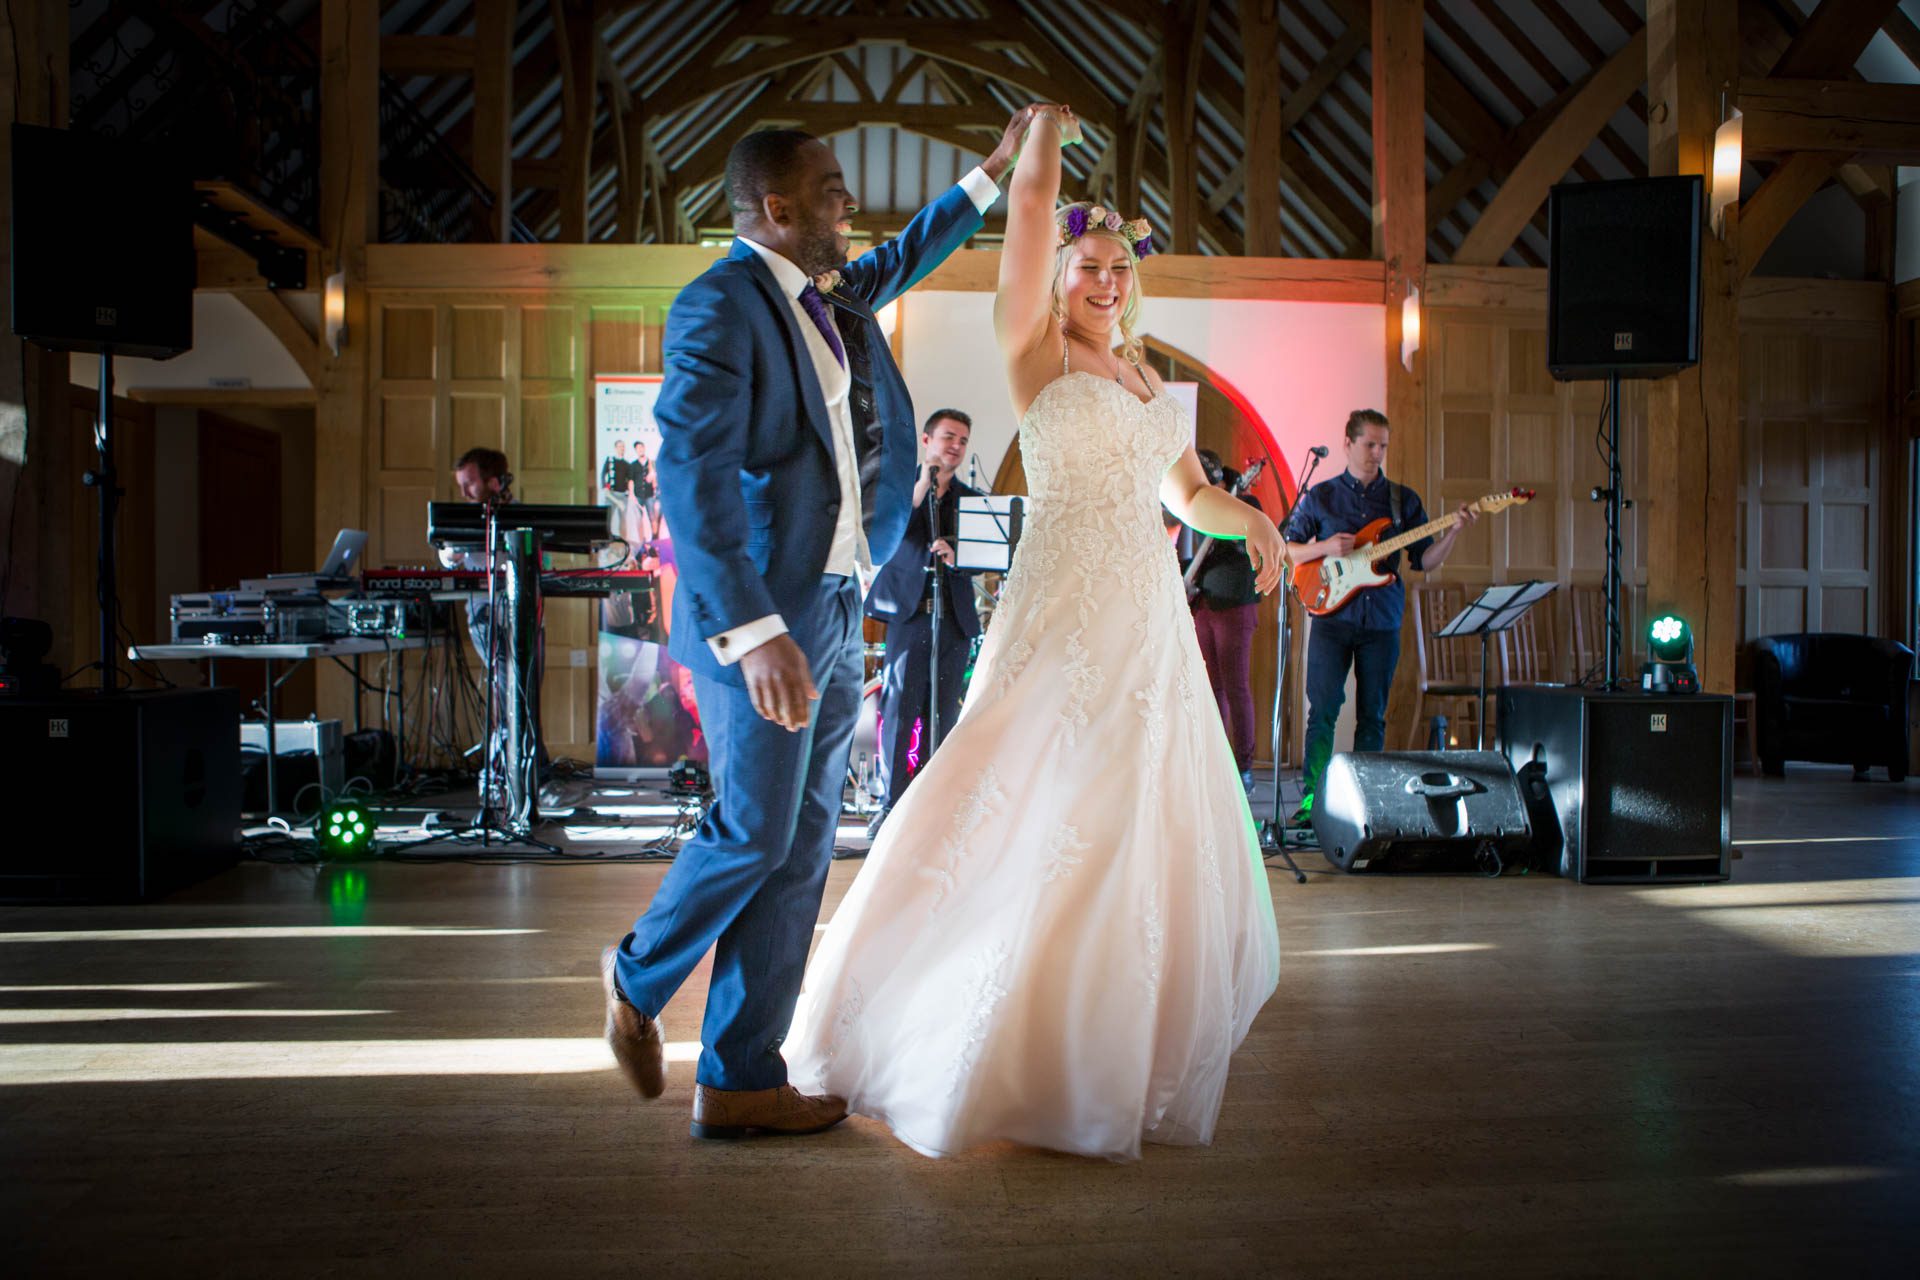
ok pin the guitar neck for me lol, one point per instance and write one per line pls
(1400, 541)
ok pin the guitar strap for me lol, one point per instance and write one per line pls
(1396, 511)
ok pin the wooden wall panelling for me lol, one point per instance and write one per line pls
(512, 370)
(1498, 420)
(1813, 494)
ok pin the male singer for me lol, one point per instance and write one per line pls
(1362, 635)
(902, 597)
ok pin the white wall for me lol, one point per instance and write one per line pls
(228, 343)
(1303, 366)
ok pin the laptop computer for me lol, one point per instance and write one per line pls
(342, 562)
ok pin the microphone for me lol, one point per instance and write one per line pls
(1319, 451)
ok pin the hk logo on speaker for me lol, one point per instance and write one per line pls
(56, 728)
(1623, 342)
(1657, 722)
(106, 317)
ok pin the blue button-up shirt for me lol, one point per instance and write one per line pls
(1344, 505)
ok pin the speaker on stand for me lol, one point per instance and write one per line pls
(1623, 301)
(95, 271)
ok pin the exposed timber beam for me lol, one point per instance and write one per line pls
(427, 55)
(1767, 213)
(1835, 35)
(1871, 122)
(1549, 158)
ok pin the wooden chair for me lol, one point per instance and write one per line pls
(1523, 658)
(1589, 606)
(1449, 670)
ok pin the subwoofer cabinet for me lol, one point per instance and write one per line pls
(117, 797)
(1624, 788)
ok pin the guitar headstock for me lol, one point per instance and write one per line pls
(1248, 475)
(1513, 497)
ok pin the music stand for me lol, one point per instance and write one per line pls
(1496, 609)
(989, 531)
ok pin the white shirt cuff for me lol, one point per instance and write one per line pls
(731, 646)
(981, 189)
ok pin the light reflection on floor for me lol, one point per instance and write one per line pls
(253, 933)
(58, 1064)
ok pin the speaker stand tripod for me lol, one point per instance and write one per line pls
(105, 480)
(1612, 497)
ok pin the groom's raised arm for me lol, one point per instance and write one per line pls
(703, 411)
(888, 270)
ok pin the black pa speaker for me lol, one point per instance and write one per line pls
(1420, 811)
(1638, 788)
(102, 245)
(1623, 278)
(116, 797)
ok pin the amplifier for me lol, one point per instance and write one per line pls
(1420, 811)
(1625, 788)
(118, 796)
(397, 617)
(247, 617)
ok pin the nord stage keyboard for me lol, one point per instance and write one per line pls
(464, 584)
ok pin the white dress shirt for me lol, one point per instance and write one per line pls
(848, 552)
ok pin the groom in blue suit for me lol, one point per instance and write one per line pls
(786, 465)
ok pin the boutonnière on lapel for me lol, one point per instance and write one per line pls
(827, 283)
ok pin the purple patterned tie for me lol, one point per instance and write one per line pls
(817, 310)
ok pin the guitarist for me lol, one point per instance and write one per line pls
(1364, 634)
(1225, 600)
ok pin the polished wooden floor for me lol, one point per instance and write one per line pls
(396, 1070)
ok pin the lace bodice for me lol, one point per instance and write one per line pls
(1094, 452)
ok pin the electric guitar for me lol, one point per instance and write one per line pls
(1326, 584)
(1240, 486)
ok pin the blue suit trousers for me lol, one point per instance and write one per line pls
(748, 883)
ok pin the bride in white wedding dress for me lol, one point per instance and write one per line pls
(1064, 929)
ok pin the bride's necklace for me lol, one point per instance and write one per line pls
(1109, 355)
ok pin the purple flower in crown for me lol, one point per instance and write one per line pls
(1143, 246)
(1114, 222)
(1076, 222)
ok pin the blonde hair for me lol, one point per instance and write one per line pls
(1130, 343)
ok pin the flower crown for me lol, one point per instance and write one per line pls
(1076, 220)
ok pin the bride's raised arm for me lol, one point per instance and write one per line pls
(1022, 303)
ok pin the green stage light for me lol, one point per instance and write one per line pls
(343, 829)
(1669, 667)
(1669, 639)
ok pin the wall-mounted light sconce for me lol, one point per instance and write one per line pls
(1726, 171)
(333, 311)
(1409, 326)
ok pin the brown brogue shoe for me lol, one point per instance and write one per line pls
(782, 1112)
(637, 1044)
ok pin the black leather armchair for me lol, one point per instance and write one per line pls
(1837, 699)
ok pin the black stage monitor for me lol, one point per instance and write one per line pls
(562, 526)
(102, 245)
(1623, 278)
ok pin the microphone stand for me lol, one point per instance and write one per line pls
(939, 607)
(1273, 832)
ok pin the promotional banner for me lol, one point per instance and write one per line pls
(647, 719)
